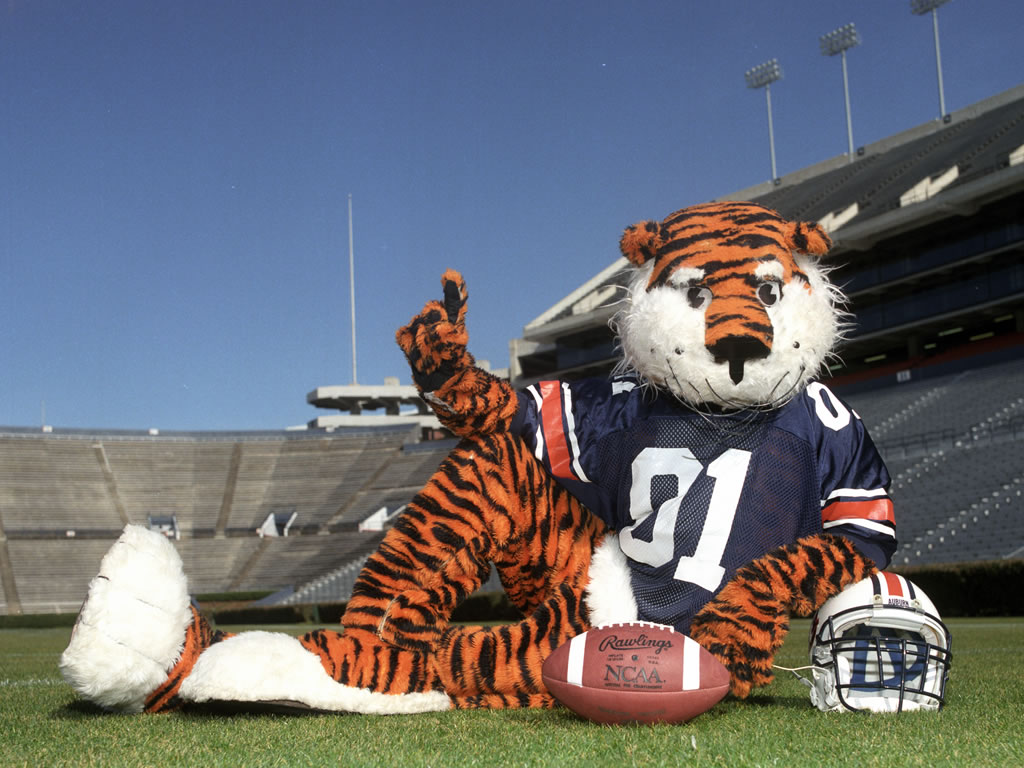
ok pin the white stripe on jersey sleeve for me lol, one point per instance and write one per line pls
(856, 493)
(571, 424)
(538, 440)
(869, 524)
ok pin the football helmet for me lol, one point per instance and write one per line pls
(879, 645)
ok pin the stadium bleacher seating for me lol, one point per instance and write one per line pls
(54, 485)
(53, 574)
(64, 498)
(954, 445)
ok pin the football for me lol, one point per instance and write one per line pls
(635, 672)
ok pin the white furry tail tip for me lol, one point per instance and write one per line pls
(259, 666)
(131, 629)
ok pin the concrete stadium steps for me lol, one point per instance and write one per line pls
(964, 401)
(316, 479)
(953, 404)
(335, 586)
(954, 446)
(368, 502)
(185, 479)
(412, 468)
(53, 575)
(94, 483)
(212, 565)
(975, 489)
(295, 560)
(53, 485)
(398, 481)
(885, 407)
(991, 528)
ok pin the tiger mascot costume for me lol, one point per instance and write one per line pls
(709, 484)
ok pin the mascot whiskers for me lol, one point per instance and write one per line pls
(710, 484)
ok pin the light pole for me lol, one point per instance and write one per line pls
(838, 41)
(763, 75)
(919, 8)
(352, 289)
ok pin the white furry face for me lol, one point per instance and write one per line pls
(664, 332)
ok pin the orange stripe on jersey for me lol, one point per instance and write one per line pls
(554, 432)
(892, 583)
(869, 509)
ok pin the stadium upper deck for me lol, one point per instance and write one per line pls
(928, 233)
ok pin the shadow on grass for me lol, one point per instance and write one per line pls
(785, 702)
(559, 717)
(78, 709)
(564, 717)
(229, 709)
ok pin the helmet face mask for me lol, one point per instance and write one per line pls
(880, 646)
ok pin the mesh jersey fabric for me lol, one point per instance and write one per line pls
(695, 496)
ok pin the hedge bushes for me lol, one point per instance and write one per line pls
(994, 588)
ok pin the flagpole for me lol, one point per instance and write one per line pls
(352, 287)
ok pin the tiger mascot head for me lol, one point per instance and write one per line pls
(728, 306)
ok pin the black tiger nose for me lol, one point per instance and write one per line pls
(736, 350)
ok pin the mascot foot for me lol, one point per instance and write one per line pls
(136, 625)
(141, 645)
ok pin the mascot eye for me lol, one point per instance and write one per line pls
(769, 293)
(698, 296)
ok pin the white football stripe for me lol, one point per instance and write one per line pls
(574, 673)
(691, 664)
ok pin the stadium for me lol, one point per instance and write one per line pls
(929, 247)
(273, 526)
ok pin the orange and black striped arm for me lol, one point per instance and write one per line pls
(745, 624)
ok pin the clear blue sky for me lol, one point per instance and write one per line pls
(174, 175)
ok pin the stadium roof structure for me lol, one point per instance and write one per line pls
(353, 400)
(928, 240)
(153, 435)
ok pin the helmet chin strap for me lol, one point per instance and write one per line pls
(797, 670)
(823, 694)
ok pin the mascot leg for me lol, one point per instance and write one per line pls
(490, 501)
(745, 624)
(140, 645)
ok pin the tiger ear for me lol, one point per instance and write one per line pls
(804, 237)
(640, 242)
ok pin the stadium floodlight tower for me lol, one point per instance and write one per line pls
(920, 8)
(839, 41)
(352, 288)
(762, 76)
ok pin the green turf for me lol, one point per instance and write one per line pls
(42, 723)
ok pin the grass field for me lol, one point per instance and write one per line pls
(42, 724)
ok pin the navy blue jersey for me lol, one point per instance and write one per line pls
(695, 496)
